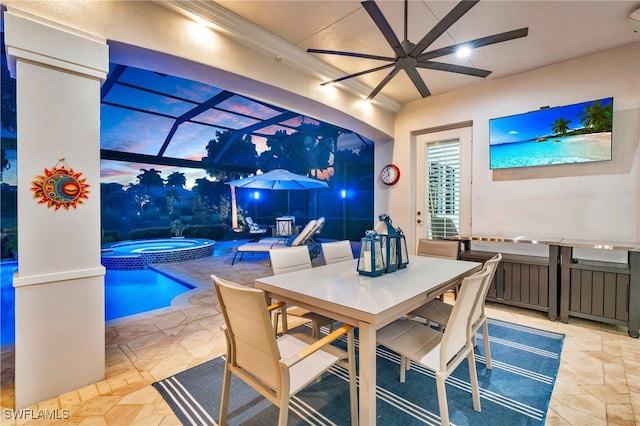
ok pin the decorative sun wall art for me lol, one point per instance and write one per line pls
(60, 187)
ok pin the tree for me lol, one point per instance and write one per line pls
(597, 117)
(238, 156)
(560, 126)
(4, 162)
(139, 195)
(150, 177)
(303, 152)
(176, 180)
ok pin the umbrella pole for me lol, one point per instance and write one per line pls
(234, 208)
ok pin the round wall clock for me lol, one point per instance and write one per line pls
(390, 174)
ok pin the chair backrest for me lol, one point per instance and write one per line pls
(438, 248)
(491, 265)
(337, 251)
(319, 225)
(289, 259)
(458, 331)
(250, 336)
(252, 225)
(305, 234)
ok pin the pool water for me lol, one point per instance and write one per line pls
(127, 293)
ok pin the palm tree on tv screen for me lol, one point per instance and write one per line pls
(560, 126)
(597, 118)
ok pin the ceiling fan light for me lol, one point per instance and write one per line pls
(463, 52)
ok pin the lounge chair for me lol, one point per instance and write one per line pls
(305, 237)
(256, 231)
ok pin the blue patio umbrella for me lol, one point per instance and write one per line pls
(279, 179)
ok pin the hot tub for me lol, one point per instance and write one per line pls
(141, 253)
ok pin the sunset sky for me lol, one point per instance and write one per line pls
(139, 132)
(131, 129)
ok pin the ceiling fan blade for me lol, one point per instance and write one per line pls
(418, 82)
(357, 74)
(383, 25)
(352, 54)
(476, 72)
(456, 13)
(383, 83)
(473, 44)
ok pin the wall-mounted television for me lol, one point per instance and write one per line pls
(576, 133)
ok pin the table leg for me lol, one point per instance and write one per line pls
(367, 371)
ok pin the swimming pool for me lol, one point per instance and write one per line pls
(139, 254)
(127, 292)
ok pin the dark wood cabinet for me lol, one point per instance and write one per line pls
(566, 286)
(601, 291)
(520, 280)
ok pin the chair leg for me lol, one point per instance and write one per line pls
(224, 400)
(351, 352)
(403, 363)
(473, 378)
(487, 347)
(442, 399)
(284, 414)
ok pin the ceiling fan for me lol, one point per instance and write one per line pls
(410, 56)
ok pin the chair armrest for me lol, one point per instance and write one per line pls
(317, 345)
(282, 242)
(275, 306)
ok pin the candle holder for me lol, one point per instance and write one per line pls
(389, 241)
(403, 253)
(371, 260)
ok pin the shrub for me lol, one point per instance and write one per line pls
(212, 232)
(110, 237)
(146, 233)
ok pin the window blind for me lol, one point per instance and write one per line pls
(443, 183)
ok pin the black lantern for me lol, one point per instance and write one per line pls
(371, 262)
(389, 241)
(403, 253)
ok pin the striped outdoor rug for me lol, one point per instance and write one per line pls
(515, 392)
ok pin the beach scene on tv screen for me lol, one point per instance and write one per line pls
(575, 133)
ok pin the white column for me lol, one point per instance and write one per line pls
(60, 282)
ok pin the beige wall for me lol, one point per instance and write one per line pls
(597, 201)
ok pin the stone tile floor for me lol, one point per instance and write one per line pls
(598, 382)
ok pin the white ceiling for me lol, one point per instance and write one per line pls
(558, 31)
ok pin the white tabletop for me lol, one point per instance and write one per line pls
(339, 292)
(340, 285)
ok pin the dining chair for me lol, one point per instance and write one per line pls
(276, 367)
(337, 251)
(443, 249)
(439, 312)
(295, 259)
(436, 351)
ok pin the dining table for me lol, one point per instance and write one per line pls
(338, 291)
